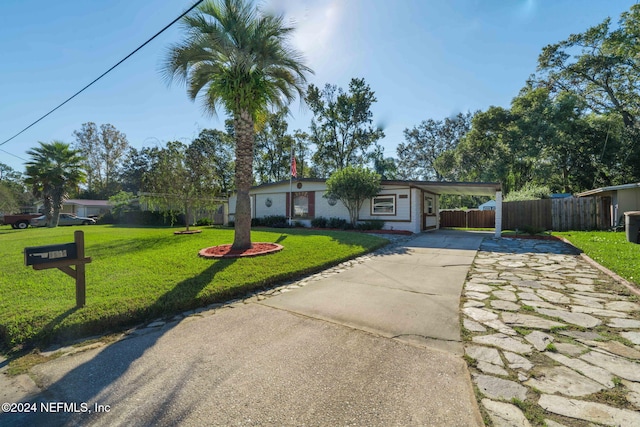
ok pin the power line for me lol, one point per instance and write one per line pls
(11, 154)
(106, 72)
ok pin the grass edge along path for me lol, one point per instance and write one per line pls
(141, 274)
(609, 249)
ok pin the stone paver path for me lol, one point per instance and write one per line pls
(549, 338)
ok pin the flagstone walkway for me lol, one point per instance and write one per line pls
(546, 331)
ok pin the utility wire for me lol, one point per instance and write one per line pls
(11, 154)
(108, 71)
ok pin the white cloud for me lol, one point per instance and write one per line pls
(318, 24)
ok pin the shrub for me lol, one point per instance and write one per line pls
(106, 218)
(257, 222)
(374, 224)
(319, 222)
(528, 192)
(275, 221)
(298, 224)
(530, 229)
(204, 222)
(334, 222)
(231, 224)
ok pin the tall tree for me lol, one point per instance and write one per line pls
(426, 142)
(302, 153)
(237, 56)
(8, 202)
(486, 152)
(214, 149)
(386, 167)
(104, 150)
(273, 149)
(602, 66)
(14, 193)
(135, 165)
(181, 179)
(342, 127)
(54, 170)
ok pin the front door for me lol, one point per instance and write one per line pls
(429, 218)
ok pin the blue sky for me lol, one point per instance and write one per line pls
(423, 58)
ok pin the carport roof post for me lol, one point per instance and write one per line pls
(498, 219)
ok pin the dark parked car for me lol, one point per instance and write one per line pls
(64, 219)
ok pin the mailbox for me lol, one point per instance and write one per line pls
(51, 253)
(62, 257)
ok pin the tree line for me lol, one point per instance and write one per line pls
(573, 126)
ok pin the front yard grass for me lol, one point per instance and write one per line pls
(139, 274)
(610, 249)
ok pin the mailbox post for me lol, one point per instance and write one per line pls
(62, 257)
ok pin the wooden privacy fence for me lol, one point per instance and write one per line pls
(579, 213)
(528, 213)
(467, 219)
(571, 213)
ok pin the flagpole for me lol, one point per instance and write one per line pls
(290, 184)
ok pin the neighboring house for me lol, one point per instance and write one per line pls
(402, 205)
(617, 199)
(560, 195)
(83, 207)
(488, 206)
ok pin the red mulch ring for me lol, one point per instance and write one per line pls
(224, 251)
(527, 236)
(188, 232)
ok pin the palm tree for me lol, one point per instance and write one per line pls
(53, 171)
(238, 57)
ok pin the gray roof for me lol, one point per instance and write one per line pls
(610, 188)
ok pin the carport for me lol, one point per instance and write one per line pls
(429, 204)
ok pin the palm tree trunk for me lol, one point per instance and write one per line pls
(187, 218)
(57, 199)
(243, 126)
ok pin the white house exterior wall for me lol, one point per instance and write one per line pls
(324, 209)
(407, 215)
(278, 204)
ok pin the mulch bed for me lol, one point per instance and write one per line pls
(224, 251)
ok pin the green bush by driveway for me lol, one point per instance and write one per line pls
(138, 274)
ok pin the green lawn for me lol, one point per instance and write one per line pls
(609, 249)
(138, 274)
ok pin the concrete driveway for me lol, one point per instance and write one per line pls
(377, 344)
(411, 294)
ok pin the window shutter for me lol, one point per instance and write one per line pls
(312, 204)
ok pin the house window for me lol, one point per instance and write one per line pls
(300, 205)
(304, 204)
(383, 205)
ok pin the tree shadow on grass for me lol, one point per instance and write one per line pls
(85, 377)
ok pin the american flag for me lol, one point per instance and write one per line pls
(294, 170)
